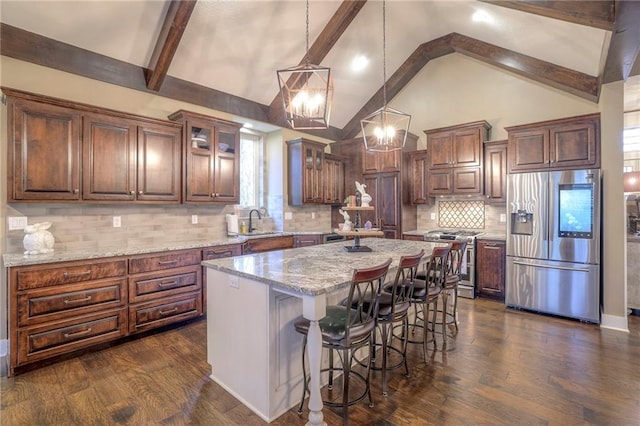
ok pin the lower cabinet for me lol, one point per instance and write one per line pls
(306, 240)
(411, 237)
(490, 268)
(63, 307)
(258, 245)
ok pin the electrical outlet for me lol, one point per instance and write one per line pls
(234, 282)
(288, 215)
(17, 222)
(194, 219)
(433, 216)
(503, 217)
(313, 215)
(116, 222)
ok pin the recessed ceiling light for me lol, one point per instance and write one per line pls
(481, 15)
(359, 63)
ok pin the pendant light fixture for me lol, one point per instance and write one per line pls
(307, 92)
(386, 129)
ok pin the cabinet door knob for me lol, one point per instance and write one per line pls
(139, 192)
(75, 191)
(132, 192)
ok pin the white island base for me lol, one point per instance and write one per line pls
(259, 362)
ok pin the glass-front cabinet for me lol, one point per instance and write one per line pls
(211, 158)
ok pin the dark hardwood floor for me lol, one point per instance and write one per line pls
(504, 367)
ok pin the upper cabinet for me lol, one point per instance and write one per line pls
(211, 158)
(568, 143)
(419, 177)
(495, 172)
(314, 177)
(63, 151)
(455, 159)
(43, 151)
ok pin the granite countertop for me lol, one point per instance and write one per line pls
(19, 259)
(316, 269)
(483, 236)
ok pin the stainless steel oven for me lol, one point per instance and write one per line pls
(466, 286)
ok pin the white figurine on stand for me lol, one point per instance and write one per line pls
(364, 197)
(347, 220)
(37, 239)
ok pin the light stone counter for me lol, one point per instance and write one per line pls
(316, 269)
(253, 300)
(133, 248)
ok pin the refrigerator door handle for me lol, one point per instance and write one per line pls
(551, 267)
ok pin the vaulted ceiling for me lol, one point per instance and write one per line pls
(224, 54)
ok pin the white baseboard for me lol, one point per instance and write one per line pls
(614, 322)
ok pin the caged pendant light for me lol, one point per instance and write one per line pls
(307, 92)
(386, 129)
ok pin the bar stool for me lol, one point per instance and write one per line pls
(393, 310)
(346, 328)
(450, 288)
(427, 292)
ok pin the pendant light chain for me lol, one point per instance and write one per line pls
(307, 55)
(384, 53)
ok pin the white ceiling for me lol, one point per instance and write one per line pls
(237, 46)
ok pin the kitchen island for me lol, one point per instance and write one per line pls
(252, 302)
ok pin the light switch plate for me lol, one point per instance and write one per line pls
(433, 216)
(116, 222)
(194, 219)
(16, 223)
(503, 217)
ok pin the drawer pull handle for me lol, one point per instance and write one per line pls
(168, 283)
(492, 247)
(170, 311)
(167, 262)
(76, 274)
(77, 333)
(84, 299)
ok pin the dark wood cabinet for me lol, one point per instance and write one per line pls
(257, 245)
(490, 268)
(419, 177)
(306, 240)
(129, 160)
(495, 172)
(333, 179)
(43, 151)
(455, 159)
(390, 190)
(568, 143)
(211, 164)
(65, 151)
(305, 172)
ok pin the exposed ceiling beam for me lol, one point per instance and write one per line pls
(568, 80)
(625, 43)
(175, 22)
(598, 14)
(339, 22)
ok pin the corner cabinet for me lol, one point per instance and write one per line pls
(455, 159)
(568, 143)
(490, 268)
(495, 172)
(211, 166)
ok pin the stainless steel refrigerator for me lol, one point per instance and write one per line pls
(553, 243)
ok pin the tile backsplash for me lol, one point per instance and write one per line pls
(461, 214)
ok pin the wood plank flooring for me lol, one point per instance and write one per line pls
(504, 367)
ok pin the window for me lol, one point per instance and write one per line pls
(251, 169)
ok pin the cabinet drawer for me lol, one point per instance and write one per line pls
(155, 314)
(153, 286)
(164, 261)
(221, 251)
(55, 303)
(61, 337)
(38, 277)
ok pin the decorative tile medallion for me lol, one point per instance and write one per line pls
(461, 214)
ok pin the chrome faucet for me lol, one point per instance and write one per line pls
(251, 228)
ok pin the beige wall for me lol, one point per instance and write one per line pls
(456, 89)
